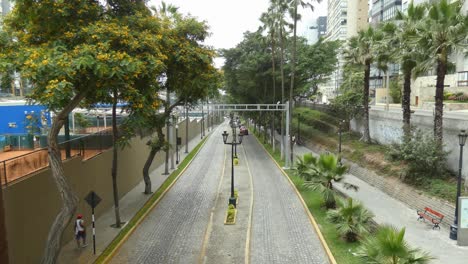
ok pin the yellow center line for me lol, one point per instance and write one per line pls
(201, 258)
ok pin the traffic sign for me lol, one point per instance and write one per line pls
(92, 199)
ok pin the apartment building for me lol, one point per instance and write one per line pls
(344, 19)
(321, 27)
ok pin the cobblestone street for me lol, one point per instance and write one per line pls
(187, 225)
(173, 232)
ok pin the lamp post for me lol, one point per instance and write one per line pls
(232, 199)
(339, 140)
(233, 126)
(178, 141)
(454, 228)
(298, 139)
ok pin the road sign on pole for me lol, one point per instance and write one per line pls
(93, 200)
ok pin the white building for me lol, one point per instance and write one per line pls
(344, 19)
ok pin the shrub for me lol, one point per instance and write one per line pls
(389, 246)
(352, 220)
(395, 91)
(447, 95)
(425, 157)
(230, 214)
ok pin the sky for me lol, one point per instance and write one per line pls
(229, 19)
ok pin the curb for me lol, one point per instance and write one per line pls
(330, 256)
(249, 226)
(137, 224)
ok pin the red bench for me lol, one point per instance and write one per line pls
(432, 215)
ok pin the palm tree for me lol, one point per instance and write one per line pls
(407, 53)
(360, 51)
(280, 8)
(351, 219)
(389, 246)
(270, 24)
(303, 165)
(295, 17)
(443, 32)
(322, 172)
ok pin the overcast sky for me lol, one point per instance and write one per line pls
(229, 19)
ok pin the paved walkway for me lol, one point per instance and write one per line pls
(129, 205)
(388, 210)
(281, 229)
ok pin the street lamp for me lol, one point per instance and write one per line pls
(233, 126)
(339, 140)
(298, 139)
(178, 142)
(454, 228)
(232, 199)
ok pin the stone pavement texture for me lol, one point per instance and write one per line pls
(388, 210)
(129, 205)
(281, 230)
(227, 243)
(173, 231)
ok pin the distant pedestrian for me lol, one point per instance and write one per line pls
(80, 231)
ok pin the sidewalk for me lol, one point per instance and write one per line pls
(388, 210)
(129, 206)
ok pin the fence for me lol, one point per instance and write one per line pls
(86, 146)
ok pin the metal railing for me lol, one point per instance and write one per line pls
(86, 146)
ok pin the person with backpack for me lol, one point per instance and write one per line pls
(80, 231)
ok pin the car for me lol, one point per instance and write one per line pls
(243, 131)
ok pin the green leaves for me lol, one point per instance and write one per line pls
(389, 246)
(351, 219)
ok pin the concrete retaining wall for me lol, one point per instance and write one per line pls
(32, 203)
(386, 128)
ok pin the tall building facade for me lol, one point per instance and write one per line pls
(344, 19)
(384, 10)
(321, 27)
(5, 7)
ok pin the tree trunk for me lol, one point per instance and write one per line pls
(154, 150)
(114, 161)
(68, 197)
(365, 103)
(186, 128)
(166, 163)
(439, 101)
(146, 176)
(406, 105)
(282, 89)
(3, 233)
(272, 128)
(293, 72)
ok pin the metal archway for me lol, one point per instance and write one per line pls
(263, 108)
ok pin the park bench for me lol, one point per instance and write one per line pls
(432, 215)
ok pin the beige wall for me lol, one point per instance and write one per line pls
(32, 203)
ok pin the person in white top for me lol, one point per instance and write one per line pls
(80, 231)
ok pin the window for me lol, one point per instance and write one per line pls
(463, 78)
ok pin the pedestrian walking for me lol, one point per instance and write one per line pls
(80, 231)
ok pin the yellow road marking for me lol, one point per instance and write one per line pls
(210, 223)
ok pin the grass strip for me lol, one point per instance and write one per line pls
(147, 206)
(342, 250)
